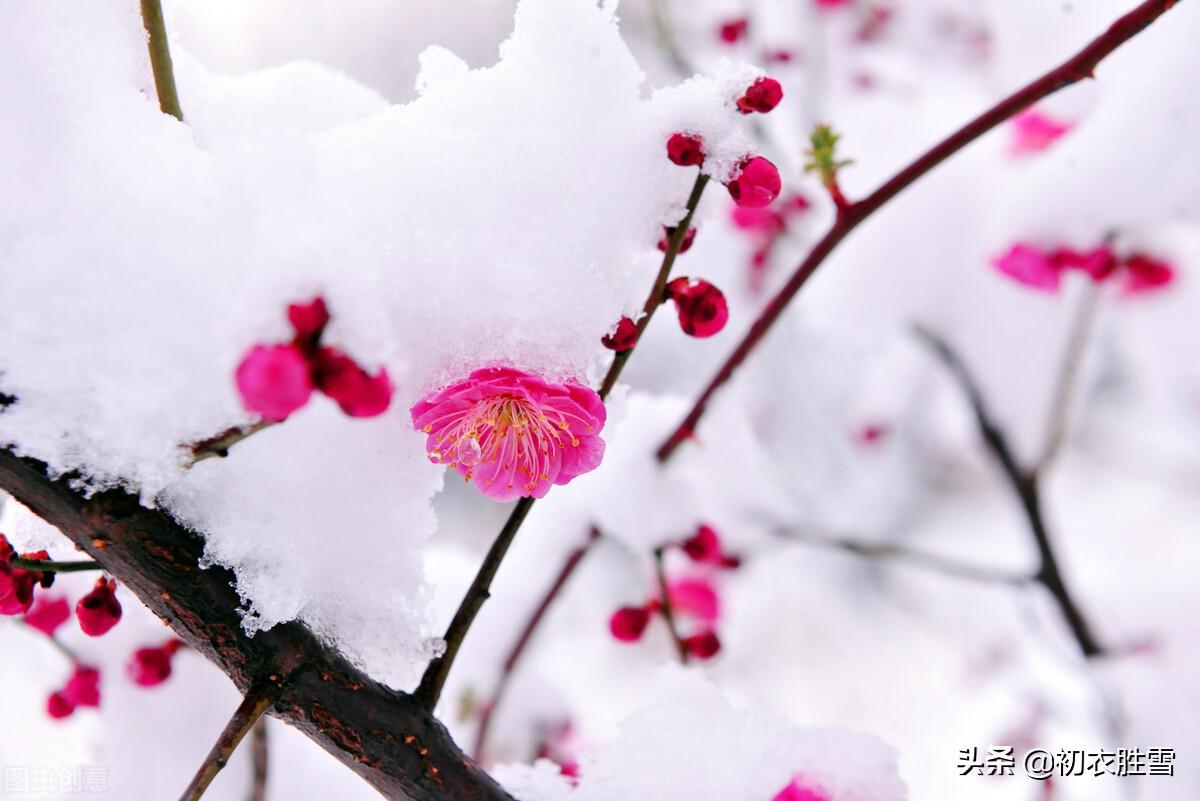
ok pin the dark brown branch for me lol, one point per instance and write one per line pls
(384, 736)
(252, 707)
(1024, 484)
(160, 59)
(435, 675)
(430, 689)
(667, 609)
(525, 637)
(1077, 68)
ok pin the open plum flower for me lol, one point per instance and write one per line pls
(512, 433)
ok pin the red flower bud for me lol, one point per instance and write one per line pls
(703, 546)
(83, 688)
(684, 246)
(761, 96)
(733, 30)
(99, 610)
(757, 183)
(274, 381)
(353, 388)
(309, 319)
(701, 306)
(702, 646)
(628, 623)
(623, 338)
(58, 707)
(149, 667)
(685, 150)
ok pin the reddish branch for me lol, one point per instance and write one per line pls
(1025, 486)
(667, 608)
(386, 737)
(1075, 69)
(526, 636)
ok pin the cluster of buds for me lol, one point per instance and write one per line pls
(1043, 269)
(81, 690)
(17, 584)
(277, 380)
(693, 599)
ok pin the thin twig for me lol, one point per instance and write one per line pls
(48, 566)
(160, 59)
(525, 637)
(434, 679)
(1024, 484)
(1068, 374)
(656, 296)
(261, 754)
(925, 560)
(218, 446)
(256, 702)
(1077, 68)
(668, 611)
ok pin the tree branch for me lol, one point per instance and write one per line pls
(1024, 484)
(525, 637)
(384, 736)
(925, 560)
(1068, 374)
(160, 59)
(1080, 66)
(252, 707)
(261, 754)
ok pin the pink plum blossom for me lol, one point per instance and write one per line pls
(512, 433)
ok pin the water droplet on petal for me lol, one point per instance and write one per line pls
(469, 452)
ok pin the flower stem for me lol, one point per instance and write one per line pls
(1068, 374)
(668, 611)
(656, 297)
(1077, 68)
(526, 636)
(434, 679)
(47, 566)
(160, 59)
(256, 702)
(219, 445)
